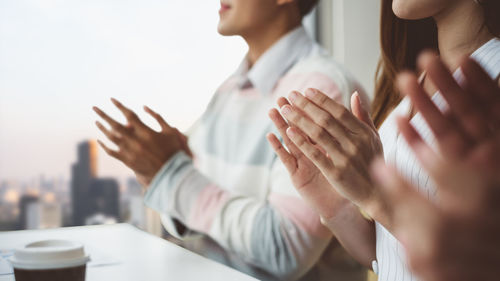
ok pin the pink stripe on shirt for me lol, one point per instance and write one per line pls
(301, 82)
(206, 206)
(296, 210)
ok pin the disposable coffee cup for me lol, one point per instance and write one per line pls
(50, 260)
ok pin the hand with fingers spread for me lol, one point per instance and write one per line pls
(346, 142)
(141, 148)
(457, 236)
(307, 179)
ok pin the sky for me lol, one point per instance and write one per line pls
(58, 58)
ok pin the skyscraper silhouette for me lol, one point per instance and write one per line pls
(83, 172)
(28, 217)
(104, 197)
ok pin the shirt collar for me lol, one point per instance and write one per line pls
(276, 61)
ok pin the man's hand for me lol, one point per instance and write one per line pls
(141, 148)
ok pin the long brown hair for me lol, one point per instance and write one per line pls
(401, 43)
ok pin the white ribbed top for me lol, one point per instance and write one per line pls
(390, 264)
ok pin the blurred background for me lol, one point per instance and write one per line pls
(58, 58)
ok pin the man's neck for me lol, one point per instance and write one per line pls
(461, 31)
(261, 40)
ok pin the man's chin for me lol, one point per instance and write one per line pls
(225, 30)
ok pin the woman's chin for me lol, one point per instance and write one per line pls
(412, 11)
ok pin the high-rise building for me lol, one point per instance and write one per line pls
(104, 198)
(29, 208)
(83, 172)
(136, 208)
(50, 215)
(134, 187)
(137, 211)
(36, 213)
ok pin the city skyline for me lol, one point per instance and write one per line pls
(59, 58)
(85, 199)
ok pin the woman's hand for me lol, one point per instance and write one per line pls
(342, 217)
(341, 144)
(141, 148)
(457, 236)
(307, 179)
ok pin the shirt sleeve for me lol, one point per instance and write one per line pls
(280, 235)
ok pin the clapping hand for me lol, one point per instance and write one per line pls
(307, 179)
(340, 143)
(457, 235)
(141, 148)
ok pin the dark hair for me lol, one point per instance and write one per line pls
(401, 42)
(306, 6)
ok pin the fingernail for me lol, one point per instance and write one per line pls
(293, 96)
(311, 93)
(290, 132)
(286, 110)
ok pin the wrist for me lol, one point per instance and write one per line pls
(376, 208)
(341, 215)
(169, 155)
(168, 167)
(332, 206)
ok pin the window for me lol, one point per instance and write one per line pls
(58, 58)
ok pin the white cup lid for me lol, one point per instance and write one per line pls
(49, 254)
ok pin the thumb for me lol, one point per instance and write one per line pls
(184, 142)
(360, 111)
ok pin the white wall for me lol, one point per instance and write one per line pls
(349, 29)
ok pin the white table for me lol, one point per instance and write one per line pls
(141, 256)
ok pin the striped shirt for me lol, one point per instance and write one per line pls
(236, 198)
(390, 264)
